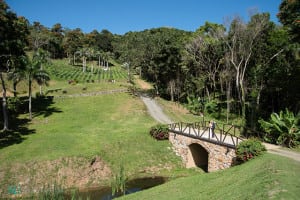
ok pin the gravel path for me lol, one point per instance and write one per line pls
(156, 112)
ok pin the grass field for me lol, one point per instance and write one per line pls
(266, 177)
(114, 127)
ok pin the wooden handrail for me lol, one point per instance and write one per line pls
(198, 129)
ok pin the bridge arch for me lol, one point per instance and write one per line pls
(197, 156)
(207, 155)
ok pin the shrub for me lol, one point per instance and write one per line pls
(160, 132)
(249, 149)
(194, 104)
(282, 128)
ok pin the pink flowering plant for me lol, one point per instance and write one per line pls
(248, 149)
(160, 132)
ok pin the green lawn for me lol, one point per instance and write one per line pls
(266, 177)
(113, 126)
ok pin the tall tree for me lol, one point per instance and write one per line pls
(289, 16)
(206, 52)
(72, 42)
(240, 43)
(13, 39)
(35, 71)
(55, 41)
(39, 36)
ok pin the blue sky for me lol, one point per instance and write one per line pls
(121, 16)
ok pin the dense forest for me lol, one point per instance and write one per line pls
(239, 69)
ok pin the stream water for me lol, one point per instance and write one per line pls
(135, 185)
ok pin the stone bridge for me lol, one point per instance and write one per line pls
(197, 147)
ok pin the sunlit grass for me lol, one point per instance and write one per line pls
(266, 177)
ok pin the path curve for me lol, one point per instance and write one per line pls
(157, 113)
(155, 110)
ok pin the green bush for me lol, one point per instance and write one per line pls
(212, 108)
(194, 104)
(282, 128)
(249, 149)
(160, 132)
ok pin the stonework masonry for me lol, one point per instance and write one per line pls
(218, 157)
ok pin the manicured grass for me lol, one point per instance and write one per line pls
(62, 88)
(266, 177)
(113, 126)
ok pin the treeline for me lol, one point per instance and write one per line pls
(239, 69)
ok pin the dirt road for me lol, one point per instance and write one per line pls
(155, 110)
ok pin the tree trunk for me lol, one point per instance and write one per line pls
(83, 64)
(207, 93)
(4, 104)
(15, 88)
(30, 98)
(41, 90)
(228, 96)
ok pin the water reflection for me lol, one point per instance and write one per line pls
(135, 185)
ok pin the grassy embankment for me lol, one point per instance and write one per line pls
(113, 127)
(266, 177)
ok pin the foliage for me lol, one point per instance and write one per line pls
(249, 149)
(289, 16)
(211, 107)
(14, 104)
(118, 184)
(194, 105)
(160, 132)
(282, 128)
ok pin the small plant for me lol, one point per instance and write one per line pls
(51, 192)
(249, 149)
(160, 132)
(118, 185)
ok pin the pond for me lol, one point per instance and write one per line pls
(135, 185)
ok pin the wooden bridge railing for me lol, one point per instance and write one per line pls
(225, 134)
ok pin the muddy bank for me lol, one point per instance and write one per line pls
(24, 178)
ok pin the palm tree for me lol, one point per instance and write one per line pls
(42, 77)
(36, 72)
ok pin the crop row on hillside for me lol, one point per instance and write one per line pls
(97, 74)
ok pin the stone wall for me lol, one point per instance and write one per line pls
(219, 157)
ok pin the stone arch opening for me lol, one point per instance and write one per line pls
(198, 157)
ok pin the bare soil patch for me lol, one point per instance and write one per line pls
(66, 172)
(143, 84)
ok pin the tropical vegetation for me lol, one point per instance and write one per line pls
(53, 107)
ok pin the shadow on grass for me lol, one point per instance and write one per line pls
(42, 106)
(16, 134)
(18, 127)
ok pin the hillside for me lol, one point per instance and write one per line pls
(266, 177)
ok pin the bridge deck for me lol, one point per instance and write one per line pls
(194, 130)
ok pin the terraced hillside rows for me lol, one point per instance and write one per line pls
(62, 71)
